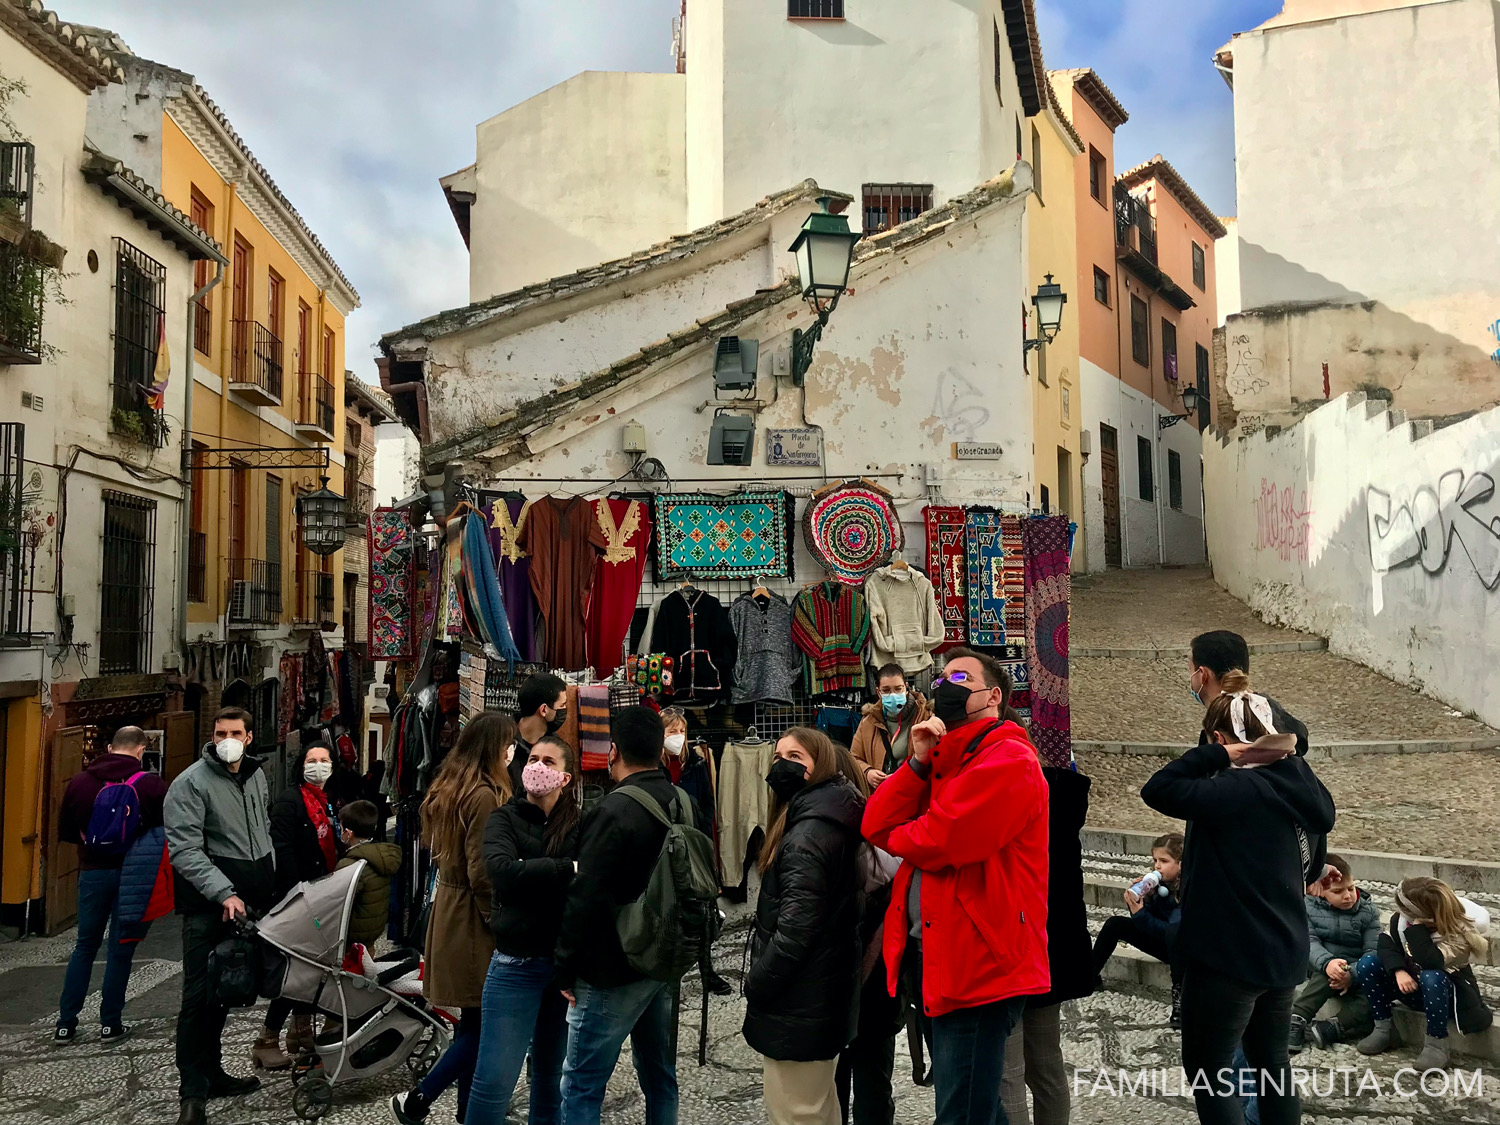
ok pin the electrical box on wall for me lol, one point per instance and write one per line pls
(735, 364)
(732, 440)
(634, 438)
(1085, 442)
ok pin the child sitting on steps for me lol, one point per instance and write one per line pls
(1424, 959)
(1344, 925)
(1153, 918)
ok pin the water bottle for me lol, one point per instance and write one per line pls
(1150, 883)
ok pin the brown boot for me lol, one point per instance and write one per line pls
(299, 1036)
(267, 1053)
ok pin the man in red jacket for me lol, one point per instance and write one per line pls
(967, 815)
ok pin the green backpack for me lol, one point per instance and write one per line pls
(666, 931)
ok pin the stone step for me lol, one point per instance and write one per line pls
(1462, 875)
(1173, 652)
(1136, 970)
(1318, 752)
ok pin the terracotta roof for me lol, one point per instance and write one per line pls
(151, 206)
(61, 44)
(506, 437)
(414, 336)
(1098, 95)
(1158, 168)
(1025, 52)
(372, 398)
(1062, 115)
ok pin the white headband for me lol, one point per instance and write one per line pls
(1260, 707)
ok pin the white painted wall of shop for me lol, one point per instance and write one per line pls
(1346, 527)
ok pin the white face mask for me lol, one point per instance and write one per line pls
(675, 744)
(510, 754)
(317, 772)
(230, 750)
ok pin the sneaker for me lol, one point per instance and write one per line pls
(1324, 1033)
(65, 1035)
(113, 1033)
(1297, 1039)
(409, 1108)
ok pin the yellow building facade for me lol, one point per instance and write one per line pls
(1052, 248)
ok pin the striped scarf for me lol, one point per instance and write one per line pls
(593, 726)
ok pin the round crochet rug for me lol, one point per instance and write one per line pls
(852, 531)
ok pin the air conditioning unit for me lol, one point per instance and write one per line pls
(735, 364)
(732, 440)
(246, 601)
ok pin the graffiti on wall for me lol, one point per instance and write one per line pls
(1423, 528)
(959, 404)
(1494, 331)
(1245, 369)
(1283, 522)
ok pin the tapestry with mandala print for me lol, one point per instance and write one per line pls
(996, 577)
(852, 528)
(747, 535)
(393, 553)
(1047, 595)
(947, 567)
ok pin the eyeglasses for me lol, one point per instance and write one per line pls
(957, 676)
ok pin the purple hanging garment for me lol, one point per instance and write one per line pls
(506, 516)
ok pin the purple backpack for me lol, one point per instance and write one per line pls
(116, 820)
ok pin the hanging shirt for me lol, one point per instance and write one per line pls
(558, 535)
(621, 534)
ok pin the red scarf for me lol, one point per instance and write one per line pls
(317, 812)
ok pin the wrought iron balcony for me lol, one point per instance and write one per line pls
(18, 541)
(315, 414)
(254, 591)
(360, 499)
(255, 363)
(1131, 214)
(22, 299)
(315, 598)
(17, 181)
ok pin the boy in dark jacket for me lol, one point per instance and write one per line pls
(1344, 925)
(372, 909)
(99, 882)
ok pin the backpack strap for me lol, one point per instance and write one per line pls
(979, 738)
(133, 778)
(647, 802)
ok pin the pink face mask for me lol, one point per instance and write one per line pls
(541, 779)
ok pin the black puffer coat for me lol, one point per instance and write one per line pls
(529, 887)
(802, 989)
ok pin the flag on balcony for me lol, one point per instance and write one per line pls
(156, 394)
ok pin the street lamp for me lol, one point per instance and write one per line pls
(825, 251)
(1189, 406)
(1049, 300)
(321, 514)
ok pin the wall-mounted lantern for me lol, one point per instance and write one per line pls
(825, 252)
(1049, 300)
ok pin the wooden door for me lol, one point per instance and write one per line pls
(1109, 475)
(241, 295)
(180, 742)
(61, 860)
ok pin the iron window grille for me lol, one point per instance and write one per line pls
(129, 583)
(254, 592)
(22, 299)
(17, 179)
(890, 205)
(315, 598)
(815, 9)
(17, 546)
(197, 566)
(140, 309)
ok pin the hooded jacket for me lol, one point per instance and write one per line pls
(78, 804)
(1244, 878)
(906, 623)
(219, 835)
(1334, 933)
(974, 822)
(872, 741)
(372, 908)
(801, 992)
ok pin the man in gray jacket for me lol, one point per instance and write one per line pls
(219, 838)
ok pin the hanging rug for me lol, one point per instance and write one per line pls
(852, 529)
(742, 536)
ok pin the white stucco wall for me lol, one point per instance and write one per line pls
(397, 463)
(879, 97)
(590, 170)
(1227, 270)
(1151, 531)
(1368, 162)
(1389, 546)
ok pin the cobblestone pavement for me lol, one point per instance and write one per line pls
(1160, 609)
(134, 1083)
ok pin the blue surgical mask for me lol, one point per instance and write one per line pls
(1194, 692)
(893, 703)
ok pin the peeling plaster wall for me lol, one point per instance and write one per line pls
(1346, 526)
(918, 357)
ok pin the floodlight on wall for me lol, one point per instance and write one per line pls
(732, 440)
(735, 364)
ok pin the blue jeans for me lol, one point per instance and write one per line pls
(522, 1010)
(597, 1027)
(98, 892)
(1434, 993)
(1241, 1064)
(968, 1061)
(457, 1063)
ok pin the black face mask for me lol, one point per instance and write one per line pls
(787, 778)
(950, 702)
(555, 723)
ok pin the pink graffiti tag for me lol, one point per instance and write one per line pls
(1283, 523)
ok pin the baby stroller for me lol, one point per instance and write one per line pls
(383, 1018)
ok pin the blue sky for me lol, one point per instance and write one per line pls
(356, 107)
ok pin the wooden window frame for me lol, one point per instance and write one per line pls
(1098, 175)
(1140, 332)
(1036, 164)
(276, 304)
(1169, 366)
(201, 211)
(1200, 268)
(1101, 276)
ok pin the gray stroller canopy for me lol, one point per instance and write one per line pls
(312, 923)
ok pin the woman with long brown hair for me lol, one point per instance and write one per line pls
(472, 783)
(802, 988)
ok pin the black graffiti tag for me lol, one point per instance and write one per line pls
(1423, 529)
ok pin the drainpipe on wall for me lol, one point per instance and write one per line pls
(1159, 438)
(185, 519)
